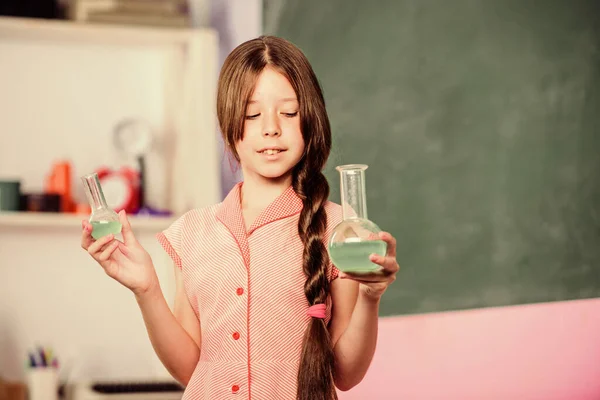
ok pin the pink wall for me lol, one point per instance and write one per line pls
(548, 351)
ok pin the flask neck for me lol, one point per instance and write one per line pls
(353, 191)
(93, 192)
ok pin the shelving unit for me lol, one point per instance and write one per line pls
(58, 220)
(87, 33)
(183, 101)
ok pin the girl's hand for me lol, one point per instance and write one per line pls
(374, 284)
(126, 262)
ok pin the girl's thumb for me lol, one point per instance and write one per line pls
(126, 228)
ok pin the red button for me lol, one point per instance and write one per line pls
(235, 388)
(240, 291)
(236, 335)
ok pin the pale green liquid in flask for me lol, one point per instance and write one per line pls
(104, 220)
(103, 228)
(354, 256)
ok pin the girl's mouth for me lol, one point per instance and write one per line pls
(271, 152)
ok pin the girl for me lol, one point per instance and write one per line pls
(258, 312)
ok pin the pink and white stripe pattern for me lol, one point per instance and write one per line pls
(247, 288)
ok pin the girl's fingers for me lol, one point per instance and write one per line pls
(117, 241)
(391, 243)
(120, 256)
(108, 250)
(377, 259)
(126, 231)
(388, 264)
(86, 235)
(98, 244)
(124, 249)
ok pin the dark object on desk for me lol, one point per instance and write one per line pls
(40, 202)
(10, 192)
(48, 9)
(136, 387)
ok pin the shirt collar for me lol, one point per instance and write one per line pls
(230, 211)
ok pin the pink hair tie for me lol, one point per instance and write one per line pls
(317, 311)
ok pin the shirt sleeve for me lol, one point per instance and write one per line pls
(171, 240)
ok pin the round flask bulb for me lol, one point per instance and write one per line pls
(103, 219)
(356, 237)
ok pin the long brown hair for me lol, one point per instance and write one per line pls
(238, 76)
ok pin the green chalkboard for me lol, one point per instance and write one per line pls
(480, 121)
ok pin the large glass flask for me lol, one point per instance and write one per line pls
(355, 238)
(104, 220)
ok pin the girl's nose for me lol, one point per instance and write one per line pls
(271, 125)
(271, 132)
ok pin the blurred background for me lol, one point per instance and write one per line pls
(479, 120)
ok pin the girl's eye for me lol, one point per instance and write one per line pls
(252, 116)
(291, 115)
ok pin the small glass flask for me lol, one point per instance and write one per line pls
(355, 238)
(104, 220)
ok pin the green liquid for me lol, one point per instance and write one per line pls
(354, 256)
(103, 228)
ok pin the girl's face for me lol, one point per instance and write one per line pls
(272, 143)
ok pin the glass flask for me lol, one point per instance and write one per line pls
(355, 238)
(104, 220)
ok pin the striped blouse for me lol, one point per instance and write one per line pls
(247, 289)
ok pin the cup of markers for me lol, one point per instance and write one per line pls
(42, 375)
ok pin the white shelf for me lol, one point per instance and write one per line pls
(80, 32)
(166, 76)
(58, 220)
